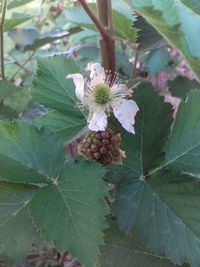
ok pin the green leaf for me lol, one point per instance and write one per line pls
(49, 37)
(7, 113)
(70, 195)
(161, 208)
(193, 4)
(123, 19)
(19, 100)
(121, 14)
(147, 38)
(123, 26)
(181, 86)
(16, 228)
(29, 155)
(86, 54)
(15, 20)
(13, 99)
(66, 127)
(52, 89)
(7, 89)
(164, 212)
(23, 37)
(174, 21)
(183, 148)
(18, 3)
(78, 16)
(29, 38)
(70, 212)
(120, 250)
(153, 121)
(124, 67)
(157, 60)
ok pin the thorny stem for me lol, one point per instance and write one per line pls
(96, 21)
(104, 8)
(4, 5)
(104, 26)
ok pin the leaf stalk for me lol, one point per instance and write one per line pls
(4, 6)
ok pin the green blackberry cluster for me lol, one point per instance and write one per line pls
(102, 146)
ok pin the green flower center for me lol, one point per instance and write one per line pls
(101, 94)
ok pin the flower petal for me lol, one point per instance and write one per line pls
(125, 113)
(98, 121)
(79, 84)
(120, 90)
(97, 73)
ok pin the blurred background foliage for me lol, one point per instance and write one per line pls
(43, 28)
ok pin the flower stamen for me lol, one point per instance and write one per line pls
(101, 93)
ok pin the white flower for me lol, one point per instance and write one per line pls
(101, 96)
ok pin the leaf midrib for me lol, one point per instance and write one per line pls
(16, 212)
(173, 160)
(135, 251)
(142, 137)
(72, 220)
(26, 167)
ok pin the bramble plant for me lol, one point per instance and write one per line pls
(130, 194)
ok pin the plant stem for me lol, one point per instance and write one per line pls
(22, 66)
(4, 5)
(104, 8)
(94, 18)
(104, 26)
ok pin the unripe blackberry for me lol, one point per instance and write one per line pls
(98, 135)
(97, 155)
(87, 145)
(105, 142)
(105, 134)
(103, 150)
(102, 146)
(96, 141)
(94, 148)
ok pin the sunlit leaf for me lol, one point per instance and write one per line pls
(174, 20)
